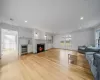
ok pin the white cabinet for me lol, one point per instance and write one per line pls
(30, 48)
(49, 46)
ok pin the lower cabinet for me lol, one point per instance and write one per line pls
(30, 49)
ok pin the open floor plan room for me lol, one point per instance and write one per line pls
(49, 39)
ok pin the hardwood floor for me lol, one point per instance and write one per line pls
(8, 56)
(54, 64)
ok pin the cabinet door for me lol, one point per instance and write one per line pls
(30, 48)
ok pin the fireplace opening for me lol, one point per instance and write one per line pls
(40, 47)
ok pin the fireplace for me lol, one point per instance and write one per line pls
(40, 47)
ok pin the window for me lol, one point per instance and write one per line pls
(66, 42)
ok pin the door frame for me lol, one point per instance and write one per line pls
(17, 43)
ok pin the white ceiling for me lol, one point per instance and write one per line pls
(58, 16)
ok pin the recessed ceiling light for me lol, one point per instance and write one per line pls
(81, 18)
(26, 21)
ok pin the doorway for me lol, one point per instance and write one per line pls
(66, 42)
(9, 45)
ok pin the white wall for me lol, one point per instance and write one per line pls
(79, 38)
(22, 32)
(86, 37)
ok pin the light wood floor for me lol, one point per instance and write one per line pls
(54, 64)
